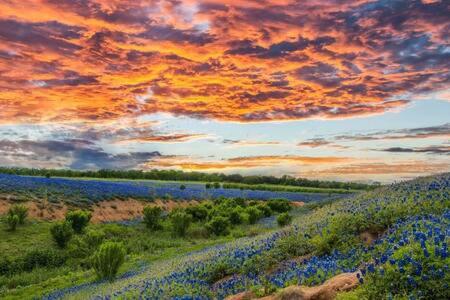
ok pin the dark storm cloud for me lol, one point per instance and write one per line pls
(49, 35)
(73, 153)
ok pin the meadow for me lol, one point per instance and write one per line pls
(392, 241)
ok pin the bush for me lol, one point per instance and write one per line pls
(182, 187)
(62, 233)
(218, 271)
(208, 185)
(180, 222)
(42, 258)
(284, 219)
(216, 185)
(12, 221)
(254, 214)
(20, 211)
(218, 225)
(78, 219)
(108, 259)
(152, 217)
(235, 216)
(198, 212)
(279, 205)
(267, 212)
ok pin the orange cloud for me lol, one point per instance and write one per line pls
(171, 138)
(244, 61)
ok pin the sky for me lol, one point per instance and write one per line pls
(339, 90)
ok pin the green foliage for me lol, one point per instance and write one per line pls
(389, 280)
(284, 219)
(254, 214)
(279, 205)
(79, 219)
(208, 185)
(35, 258)
(198, 212)
(108, 259)
(180, 221)
(12, 221)
(182, 187)
(265, 209)
(62, 233)
(218, 226)
(152, 217)
(21, 211)
(216, 185)
(218, 271)
(235, 216)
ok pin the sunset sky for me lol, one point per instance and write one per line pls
(343, 90)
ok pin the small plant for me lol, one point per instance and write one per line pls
(108, 259)
(78, 219)
(182, 187)
(12, 221)
(62, 233)
(218, 225)
(284, 219)
(152, 217)
(20, 211)
(180, 222)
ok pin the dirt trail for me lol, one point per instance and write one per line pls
(326, 291)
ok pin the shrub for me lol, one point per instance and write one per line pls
(253, 213)
(12, 221)
(218, 271)
(279, 205)
(267, 212)
(182, 187)
(78, 219)
(216, 185)
(152, 217)
(62, 233)
(235, 216)
(208, 185)
(108, 259)
(42, 258)
(180, 222)
(198, 212)
(284, 219)
(218, 225)
(20, 211)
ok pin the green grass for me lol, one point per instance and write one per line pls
(143, 247)
(286, 188)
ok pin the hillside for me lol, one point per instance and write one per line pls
(394, 239)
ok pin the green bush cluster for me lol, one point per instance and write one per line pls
(16, 216)
(78, 219)
(152, 217)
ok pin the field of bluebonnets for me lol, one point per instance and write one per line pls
(79, 191)
(409, 259)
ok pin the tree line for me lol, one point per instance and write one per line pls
(175, 175)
